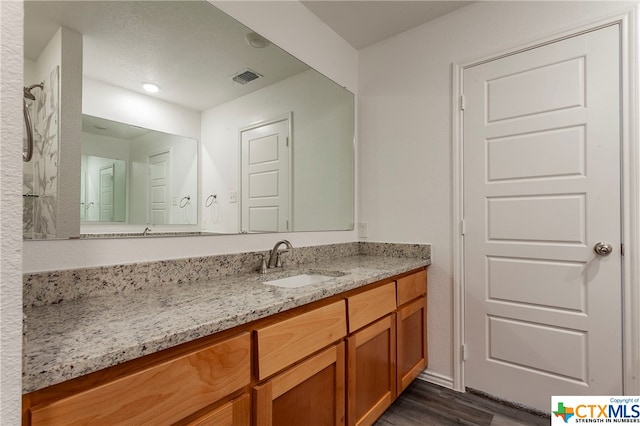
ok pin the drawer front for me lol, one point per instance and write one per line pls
(162, 394)
(290, 340)
(371, 305)
(412, 286)
(233, 413)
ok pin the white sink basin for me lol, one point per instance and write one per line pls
(300, 280)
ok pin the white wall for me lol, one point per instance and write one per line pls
(405, 132)
(105, 146)
(70, 133)
(294, 28)
(322, 162)
(30, 76)
(11, 122)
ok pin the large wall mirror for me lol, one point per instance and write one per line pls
(237, 136)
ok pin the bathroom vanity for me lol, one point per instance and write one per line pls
(235, 352)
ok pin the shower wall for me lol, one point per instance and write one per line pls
(54, 173)
(40, 175)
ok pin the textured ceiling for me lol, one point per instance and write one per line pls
(363, 23)
(190, 48)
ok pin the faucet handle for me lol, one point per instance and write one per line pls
(279, 259)
(263, 264)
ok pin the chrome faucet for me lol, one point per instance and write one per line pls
(146, 231)
(274, 257)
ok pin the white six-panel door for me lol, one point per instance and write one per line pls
(265, 178)
(159, 188)
(541, 188)
(106, 193)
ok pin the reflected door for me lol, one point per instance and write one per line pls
(159, 193)
(541, 188)
(266, 174)
(106, 194)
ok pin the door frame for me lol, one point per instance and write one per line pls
(630, 190)
(287, 116)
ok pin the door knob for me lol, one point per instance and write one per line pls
(602, 248)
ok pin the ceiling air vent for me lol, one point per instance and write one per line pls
(246, 76)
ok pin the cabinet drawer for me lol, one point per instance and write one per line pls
(233, 413)
(288, 341)
(364, 308)
(412, 286)
(159, 395)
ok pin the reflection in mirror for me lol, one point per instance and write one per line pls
(137, 176)
(222, 86)
(102, 189)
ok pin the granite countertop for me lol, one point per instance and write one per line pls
(74, 338)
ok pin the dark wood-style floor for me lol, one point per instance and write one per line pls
(423, 404)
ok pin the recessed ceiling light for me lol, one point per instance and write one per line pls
(256, 40)
(151, 87)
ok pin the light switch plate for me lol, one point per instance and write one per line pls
(233, 197)
(362, 229)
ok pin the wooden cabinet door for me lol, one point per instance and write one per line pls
(371, 367)
(311, 392)
(412, 341)
(236, 412)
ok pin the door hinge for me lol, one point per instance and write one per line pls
(462, 102)
(463, 352)
(463, 228)
(287, 140)
(287, 224)
(622, 249)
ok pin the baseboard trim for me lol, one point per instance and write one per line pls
(437, 379)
